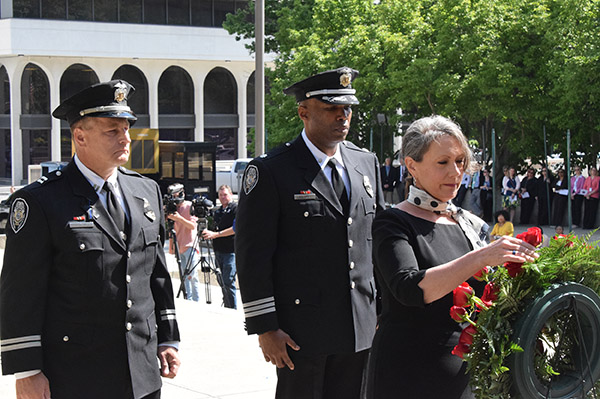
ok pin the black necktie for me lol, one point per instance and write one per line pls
(338, 186)
(114, 208)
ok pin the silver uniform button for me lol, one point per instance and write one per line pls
(128, 326)
(128, 278)
(58, 173)
(129, 304)
(297, 301)
(123, 237)
(374, 206)
(66, 338)
(82, 246)
(351, 265)
(350, 243)
(129, 254)
(352, 285)
(349, 221)
(306, 214)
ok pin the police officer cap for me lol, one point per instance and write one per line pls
(331, 87)
(105, 100)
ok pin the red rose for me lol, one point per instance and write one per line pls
(479, 275)
(533, 236)
(462, 293)
(458, 313)
(460, 350)
(490, 294)
(569, 242)
(513, 268)
(466, 337)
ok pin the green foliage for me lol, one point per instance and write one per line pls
(567, 259)
(512, 65)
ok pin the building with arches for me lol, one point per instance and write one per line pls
(193, 80)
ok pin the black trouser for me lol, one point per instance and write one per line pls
(590, 212)
(543, 211)
(560, 208)
(322, 376)
(576, 209)
(526, 209)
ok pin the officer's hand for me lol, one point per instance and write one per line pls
(34, 387)
(169, 361)
(273, 345)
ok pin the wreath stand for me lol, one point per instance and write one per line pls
(579, 309)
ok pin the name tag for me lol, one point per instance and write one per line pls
(80, 225)
(303, 197)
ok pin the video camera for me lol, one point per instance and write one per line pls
(201, 206)
(174, 197)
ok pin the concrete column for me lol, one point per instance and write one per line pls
(153, 99)
(199, 106)
(55, 129)
(243, 117)
(16, 142)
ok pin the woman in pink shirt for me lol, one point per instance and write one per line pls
(591, 199)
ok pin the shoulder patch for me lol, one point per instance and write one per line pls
(250, 178)
(18, 214)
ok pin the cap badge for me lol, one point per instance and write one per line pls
(120, 92)
(345, 79)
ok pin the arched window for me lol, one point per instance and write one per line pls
(176, 105)
(139, 100)
(76, 78)
(5, 142)
(35, 121)
(250, 95)
(220, 112)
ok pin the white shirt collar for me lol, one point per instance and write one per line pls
(96, 181)
(320, 156)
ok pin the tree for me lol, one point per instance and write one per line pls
(512, 65)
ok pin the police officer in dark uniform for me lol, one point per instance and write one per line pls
(86, 300)
(303, 245)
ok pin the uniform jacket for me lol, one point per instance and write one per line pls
(76, 300)
(303, 266)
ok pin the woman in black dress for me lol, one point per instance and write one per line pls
(544, 196)
(561, 193)
(423, 249)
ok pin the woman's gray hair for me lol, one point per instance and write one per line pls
(422, 132)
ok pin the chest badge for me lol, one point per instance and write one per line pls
(368, 186)
(18, 215)
(148, 212)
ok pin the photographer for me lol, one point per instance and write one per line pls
(185, 229)
(223, 244)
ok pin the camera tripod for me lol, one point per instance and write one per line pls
(206, 262)
(171, 234)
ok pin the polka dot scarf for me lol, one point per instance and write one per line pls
(475, 229)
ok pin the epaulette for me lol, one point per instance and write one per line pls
(129, 172)
(282, 149)
(50, 177)
(351, 146)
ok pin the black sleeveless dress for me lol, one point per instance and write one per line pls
(411, 354)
